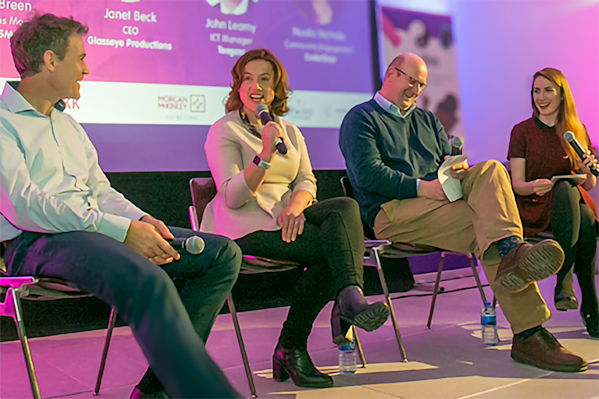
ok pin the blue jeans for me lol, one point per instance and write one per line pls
(169, 326)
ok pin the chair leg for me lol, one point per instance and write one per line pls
(435, 291)
(18, 318)
(111, 323)
(359, 346)
(475, 273)
(246, 363)
(386, 291)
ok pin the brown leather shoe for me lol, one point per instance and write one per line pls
(542, 350)
(527, 263)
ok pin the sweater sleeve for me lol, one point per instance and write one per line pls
(223, 153)
(358, 142)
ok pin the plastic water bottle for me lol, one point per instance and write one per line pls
(347, 358)
(488, 321)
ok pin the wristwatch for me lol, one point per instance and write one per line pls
(261, 162)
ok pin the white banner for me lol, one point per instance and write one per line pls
(157, 104)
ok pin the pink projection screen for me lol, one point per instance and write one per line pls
(160, 70)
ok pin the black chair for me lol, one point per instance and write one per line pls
(42, 289)
(404, 250)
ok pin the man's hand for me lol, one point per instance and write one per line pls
(159, 226)
(458, 171)
(146, 238)
(541, 186)
(432, 190)
(292, 221)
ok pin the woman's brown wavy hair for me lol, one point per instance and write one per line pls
(567, 118)
(281, 88)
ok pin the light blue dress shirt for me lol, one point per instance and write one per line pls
(50, 179)
(390, 107)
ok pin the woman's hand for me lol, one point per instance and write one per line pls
(541, 187)
(269, 134)
(585, 166)
(292, 221)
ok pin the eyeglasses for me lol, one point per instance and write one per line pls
(411, 81)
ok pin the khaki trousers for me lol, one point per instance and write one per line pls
(487, 213)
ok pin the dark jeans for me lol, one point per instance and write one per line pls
(573, 227)
(170, 327)
(332, 250)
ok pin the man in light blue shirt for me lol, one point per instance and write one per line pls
(60, 218)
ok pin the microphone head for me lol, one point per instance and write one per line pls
(569, 136)
(261, 108)
(456, 142)
(194, 245)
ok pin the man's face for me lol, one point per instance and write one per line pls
(408, 83)
(70, 71)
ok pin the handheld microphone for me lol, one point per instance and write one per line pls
(569, 137)
(456, 145)
(194, 244)
(262, 113)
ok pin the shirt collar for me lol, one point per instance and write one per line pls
(16, 103)
(390, 107)
(540, 124)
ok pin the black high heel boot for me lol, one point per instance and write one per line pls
(296, 363)
(591, 321)
(351, 308)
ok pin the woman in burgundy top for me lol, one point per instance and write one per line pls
(537, 152)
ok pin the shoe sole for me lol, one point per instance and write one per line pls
(538, 265)
(373, 318)
(564, 305)
(531, 362)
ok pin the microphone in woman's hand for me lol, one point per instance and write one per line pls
(262, 113)
(571, 139)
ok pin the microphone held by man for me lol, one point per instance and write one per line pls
(262, 113)
(194, 244)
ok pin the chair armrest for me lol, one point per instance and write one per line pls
(193, 218)
(375, 243)
(16, 282)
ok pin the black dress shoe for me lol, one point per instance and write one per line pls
(591, 321)
(296, 363)
(137, 394)
(351, 308)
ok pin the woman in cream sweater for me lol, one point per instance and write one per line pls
(266, 203)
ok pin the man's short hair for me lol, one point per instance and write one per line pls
(38, 35)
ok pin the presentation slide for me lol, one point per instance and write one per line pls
(160, 71)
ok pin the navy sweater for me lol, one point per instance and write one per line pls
(385, 154)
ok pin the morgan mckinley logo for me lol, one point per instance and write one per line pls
(172, 102)
(198, 103)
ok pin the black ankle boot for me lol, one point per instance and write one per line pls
(591, 321)
(296, 363)
(351, 308)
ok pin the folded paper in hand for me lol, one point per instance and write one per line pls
(452, 187)
(575, 178)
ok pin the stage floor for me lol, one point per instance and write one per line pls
(447, 361)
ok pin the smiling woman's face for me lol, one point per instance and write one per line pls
(257, 86)
(546, 95)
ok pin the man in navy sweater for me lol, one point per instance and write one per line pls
(393, 150)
